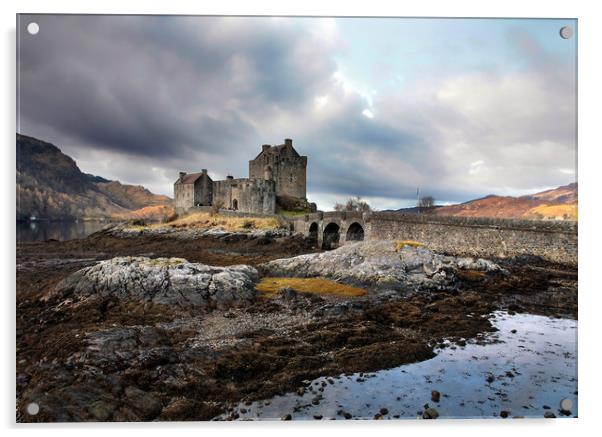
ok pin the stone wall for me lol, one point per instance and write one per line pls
(229, 213)
(284, 165)
(203, 191)
(246, 195)
(184, 196)
(188, 195)
(483, 237)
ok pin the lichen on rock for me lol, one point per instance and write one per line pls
(381, 264)
(168, 281)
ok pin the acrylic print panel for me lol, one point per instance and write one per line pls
(231, 218)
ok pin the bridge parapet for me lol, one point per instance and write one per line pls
(483, 237)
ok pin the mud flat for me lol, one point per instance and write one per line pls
(524, 369)
(132, 352)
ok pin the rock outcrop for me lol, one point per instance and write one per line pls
(168, 281)
(124, 230)
(378, 264)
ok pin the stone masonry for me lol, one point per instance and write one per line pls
(276, 171)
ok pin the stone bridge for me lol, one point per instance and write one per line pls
(484, 237)
(333, 229)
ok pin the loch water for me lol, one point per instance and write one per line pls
(44, 230)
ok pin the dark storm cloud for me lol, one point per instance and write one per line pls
(176, 91)
(165, 94)
(158, 86)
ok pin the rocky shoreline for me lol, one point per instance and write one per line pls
(166, 336)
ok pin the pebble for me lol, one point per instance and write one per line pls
(549, 415)
(430, 413)
(565, 406)
(287, 417)
(435, 396)
(504, 414)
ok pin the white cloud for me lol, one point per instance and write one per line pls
(569, 171)
(476, 167)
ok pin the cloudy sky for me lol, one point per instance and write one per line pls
(459, 108)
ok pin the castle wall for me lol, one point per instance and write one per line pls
(188, 195)
(184, 196)
(203, 191)
(287, 169)
(278, 170)
(246, 195)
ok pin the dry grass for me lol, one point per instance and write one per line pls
(153, 212)
(556, 212)
(268, 287)
(203, 220)
(400, 244)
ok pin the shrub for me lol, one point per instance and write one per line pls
(353, 204)
(426, 205)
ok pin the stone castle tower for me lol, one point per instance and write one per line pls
(284, 166)
(276, 171)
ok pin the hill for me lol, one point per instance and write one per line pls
(557, 204)
(50, 185)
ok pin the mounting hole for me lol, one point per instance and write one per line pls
(566, 32)
(33, 28)
(33, 408)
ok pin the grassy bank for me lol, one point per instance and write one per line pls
(204, 220)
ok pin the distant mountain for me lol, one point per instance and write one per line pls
(557, 204)
(51, 186)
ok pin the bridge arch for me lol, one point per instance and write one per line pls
(313, 232)
(331, 236)
(355, 232)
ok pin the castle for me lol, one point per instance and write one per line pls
(278, 171)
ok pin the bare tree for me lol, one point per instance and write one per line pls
(426, 205)
(353, 204)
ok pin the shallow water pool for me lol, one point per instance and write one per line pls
(525, 369)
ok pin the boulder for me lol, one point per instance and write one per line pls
(168, 281)
(378, 264)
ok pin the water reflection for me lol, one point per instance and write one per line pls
(56, 230)
(526, 369)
